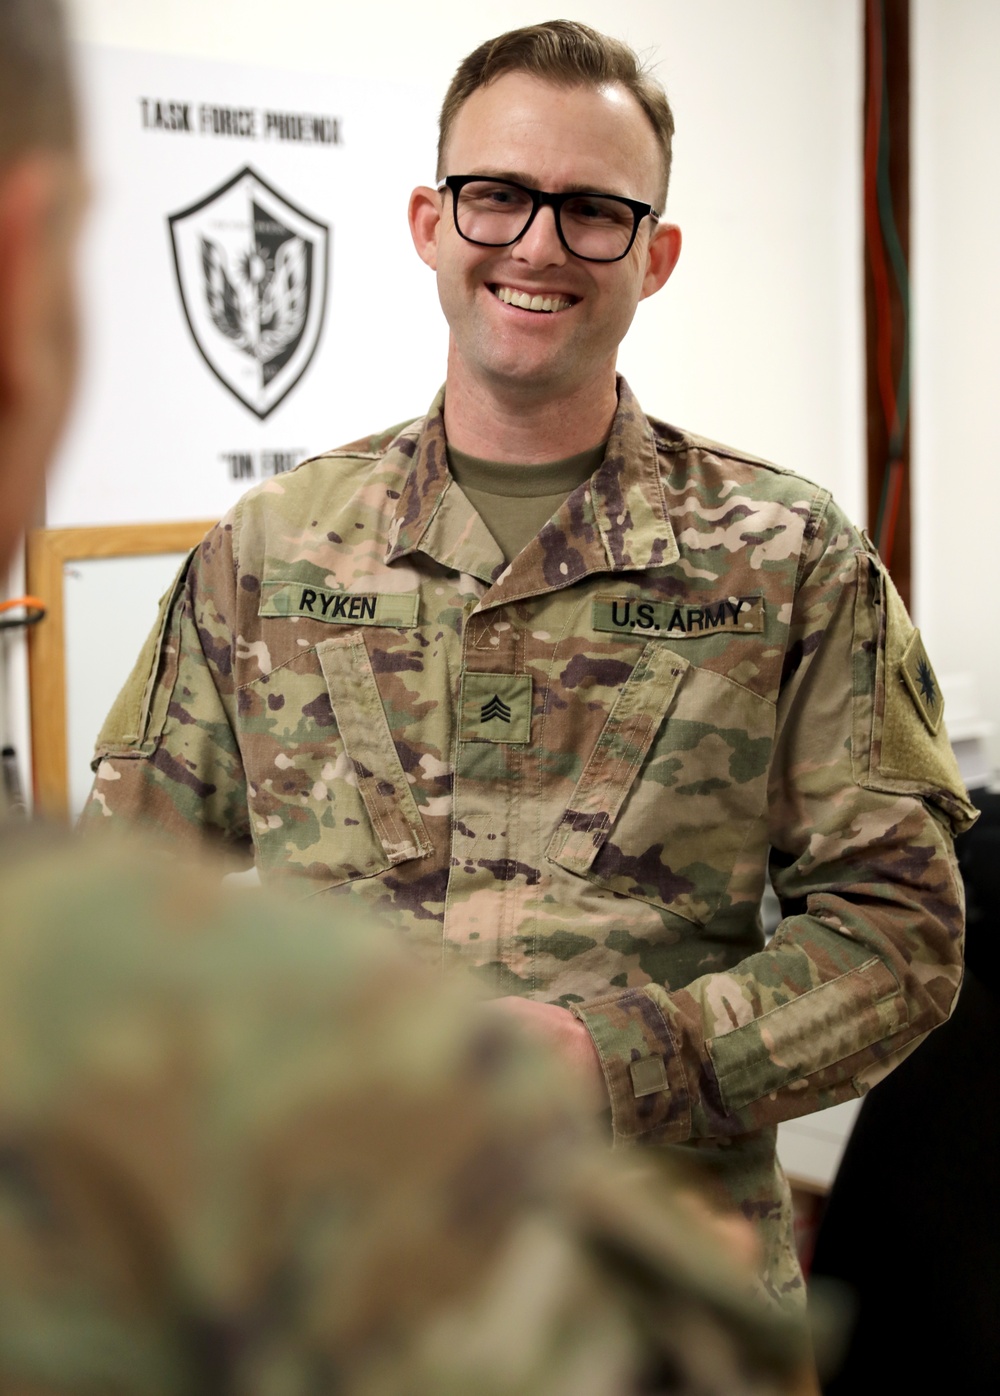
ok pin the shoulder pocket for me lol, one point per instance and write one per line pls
(138, 714)
(899, 741)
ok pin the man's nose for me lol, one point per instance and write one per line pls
(541, 245)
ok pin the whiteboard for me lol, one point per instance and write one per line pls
(110, 606)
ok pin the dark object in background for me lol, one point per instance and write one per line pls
(912, 1224)
(979, 859)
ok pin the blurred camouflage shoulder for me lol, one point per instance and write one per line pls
(244, 1148)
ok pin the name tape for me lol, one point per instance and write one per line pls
(734, 615)
(339, 607)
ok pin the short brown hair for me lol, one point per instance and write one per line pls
(569, 55)
(37, 100)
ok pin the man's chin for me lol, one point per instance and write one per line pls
(534, 378)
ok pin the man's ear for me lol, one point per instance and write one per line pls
(425, 222)
(661, 258)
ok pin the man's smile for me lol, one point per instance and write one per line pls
(550, 301)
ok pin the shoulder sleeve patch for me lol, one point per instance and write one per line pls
(900, 743)
(128, 727)
(921, 681)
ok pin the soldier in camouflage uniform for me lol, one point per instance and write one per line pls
(239, 1154)
(566, 760)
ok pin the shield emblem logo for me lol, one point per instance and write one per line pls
(252, 271)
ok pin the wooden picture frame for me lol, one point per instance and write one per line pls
(48, 552)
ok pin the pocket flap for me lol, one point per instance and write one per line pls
(367, 739)
(809, 1033)
(623, 745)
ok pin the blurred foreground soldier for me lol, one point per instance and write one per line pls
(240, 1154)
(552, 684)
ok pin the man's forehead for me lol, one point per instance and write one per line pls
(519, 96)
(525, 128)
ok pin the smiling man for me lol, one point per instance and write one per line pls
(535, 326)
(551, 684)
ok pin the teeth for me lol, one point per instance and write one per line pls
(526, 302)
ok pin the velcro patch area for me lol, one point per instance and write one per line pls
(649, 1076)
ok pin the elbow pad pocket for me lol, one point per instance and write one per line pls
(899, 741)
(139, 713)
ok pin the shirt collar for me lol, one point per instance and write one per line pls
(614, 522)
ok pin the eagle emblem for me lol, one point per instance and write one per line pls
(252, 272)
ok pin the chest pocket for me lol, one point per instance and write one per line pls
(672, 788)
(329, 800)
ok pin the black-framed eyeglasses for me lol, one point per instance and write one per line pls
(497, 212)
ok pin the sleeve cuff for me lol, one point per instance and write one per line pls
(637, 1045)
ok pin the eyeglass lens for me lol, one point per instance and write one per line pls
(494, 213)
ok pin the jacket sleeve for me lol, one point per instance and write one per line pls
(167, 757)
(864, 798)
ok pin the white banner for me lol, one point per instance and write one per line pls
(250, 292)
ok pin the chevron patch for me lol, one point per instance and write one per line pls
(496, 708)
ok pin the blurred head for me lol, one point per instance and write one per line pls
(42, 196)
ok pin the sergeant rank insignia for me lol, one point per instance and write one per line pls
(252, 275)
(496, 708)
(922, 684)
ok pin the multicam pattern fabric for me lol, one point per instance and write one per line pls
(241, 1154)
(568, 773)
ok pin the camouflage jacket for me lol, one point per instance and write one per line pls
(569, 772)
(243, 1155)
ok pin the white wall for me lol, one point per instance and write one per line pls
(956, 290)
(757, 340)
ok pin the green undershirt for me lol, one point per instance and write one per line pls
(514, 501)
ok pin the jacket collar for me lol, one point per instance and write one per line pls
(614, 522)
